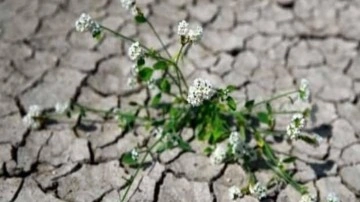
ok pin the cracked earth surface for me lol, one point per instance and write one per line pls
(260, 46)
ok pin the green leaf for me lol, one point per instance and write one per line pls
(230, 88)
(307, 112)
(208, 151)
(127, 159)
(146, 73)
(140, 19)
(231, 103)
(185, 146)
(269, 153)
(289, 159)
(140, 62)
(156, 100)
(160, 65)
(126, 119)
(264, 117)
(161, 148)
(165, 86)
(249, 105)
(308, 139)
(201, 133)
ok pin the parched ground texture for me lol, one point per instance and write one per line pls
(260, 46)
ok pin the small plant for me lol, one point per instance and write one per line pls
(212, 112)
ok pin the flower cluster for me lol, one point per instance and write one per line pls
(297, 123)
(62, 108)
(191, 35)
(200, 91)
(135, 51)
(134, 154)
(86, 23)
(332, 198)
(234, 192)
(304, 90)
(238, 147)
(158, 132)
(258, 190)
(307, 198)
(130, 5)
(31, 119)
(219, 155)
(132, 80)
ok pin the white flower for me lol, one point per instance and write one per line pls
(135, 11)
(234, 192)
(31, 118)
(61, 108)
(158, 132)
(31, 122)
(234, 137)
(307, 198)
(151, 84)
(332, 198)
(258, 190)
(135, 51)
(219, 155)
(239, 149)
(132, 81)
(35, 110)
(83, 23)
(297, 123)
(200, 91)
(292, 131)
(195, 34)
(298, 120)
(304, 91)
(134, 70)
(128, 4)
(86, 23)
(134, 154)
(183, 28)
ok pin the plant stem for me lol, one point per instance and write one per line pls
(156, 57)
(158, 37)
(169, 55)
(286, 112)
(275, 98)
(177, 70)
(138, 169)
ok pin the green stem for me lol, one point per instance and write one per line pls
(275, 98)
(123, 36)
(177, 67)
(138, 169)
(272, 161)
(287, 112)
(169, 55)
(158, 37)
(177, 70)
